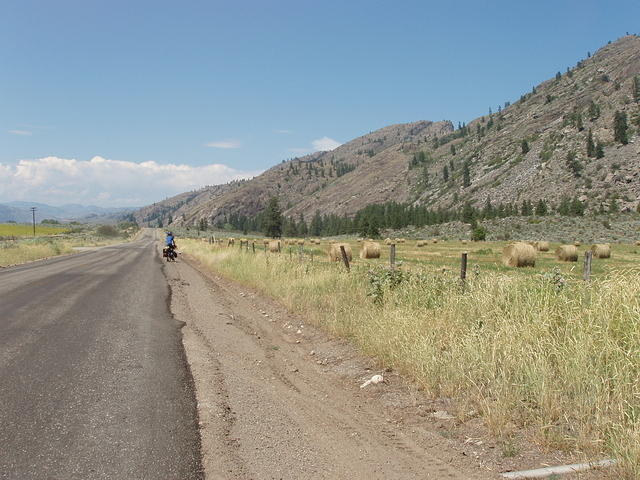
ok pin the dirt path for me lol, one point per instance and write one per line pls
(278, 399)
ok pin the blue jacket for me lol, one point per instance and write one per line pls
(169, 240)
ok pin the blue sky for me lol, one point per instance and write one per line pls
(242, 85)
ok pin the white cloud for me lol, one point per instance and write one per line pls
(106, 182)
(324, 144)
(224, 144)
(20, 132)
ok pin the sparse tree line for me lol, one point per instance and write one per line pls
(370, 220)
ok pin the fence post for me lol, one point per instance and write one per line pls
(253, 247)
(588, 256)
(392, 256)
(463, 268)
(345, 259)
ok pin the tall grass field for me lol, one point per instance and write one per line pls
(533, 350)
(25, 230)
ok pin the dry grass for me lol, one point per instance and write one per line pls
(530, 352)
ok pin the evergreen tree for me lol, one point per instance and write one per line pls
(466, 175)
(636, 88)
(541, 208)
(599, 150)
(573, 163)
(468, 213)
(594, 111)
(303, 230)
(577, 207)
(620, 128)
(591, 146)
(316, 224)
(272, 220)
(565, 206)
(558, 76)
(453, 149)
(445, 174)
(488, 211)
(525, 147)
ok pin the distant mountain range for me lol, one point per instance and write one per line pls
(20, 212)
(574, 136)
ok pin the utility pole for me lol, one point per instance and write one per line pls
(33, 214)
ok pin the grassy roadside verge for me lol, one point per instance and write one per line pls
(536, 353)
(18, 250)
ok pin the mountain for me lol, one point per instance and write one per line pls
(20, 212)
(536, 148)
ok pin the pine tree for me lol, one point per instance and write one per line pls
(620, 128)
(541, 208)
(445, 174)
(594, 111)
(303, 230)
(591, 146)
(599, 150)
(316, 224)
(453, 149)
(525, 147)
(272, 220)
(636, 88)
(466, 175)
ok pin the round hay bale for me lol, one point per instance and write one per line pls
(638, 243)
(421, 243)
(577, 243)
(266, 241)
(542, 246)
(388, 241)
(435, 240)
(400, 240)
(601, 250)
(359, 240)
(317, 241)
(275, 246)
(301, 241)
(519, 254)
(567, 253)
(464, 242)
(335, 254)
(370, 250)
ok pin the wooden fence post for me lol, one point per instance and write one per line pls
(253, 247)
(392, 256)
(588, 256)
(463, 268)
(345, 259)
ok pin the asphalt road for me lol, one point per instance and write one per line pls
(93, 378)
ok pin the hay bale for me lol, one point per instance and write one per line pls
(567, 253)
(542, 246)
(275, 246)
(638, 243)
(519, 254)
(421, 243)
(370, 250)
(317, 241)
(266, 241)
(359, 240)
(301, 241)
(388, 241)
(335, 255)
(400, 240)
(464, 242)
(601, 250)
(435, 240)
(577, 243)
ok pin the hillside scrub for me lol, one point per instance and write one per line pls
(534, 353)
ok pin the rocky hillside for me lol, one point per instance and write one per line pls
(557, 140)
